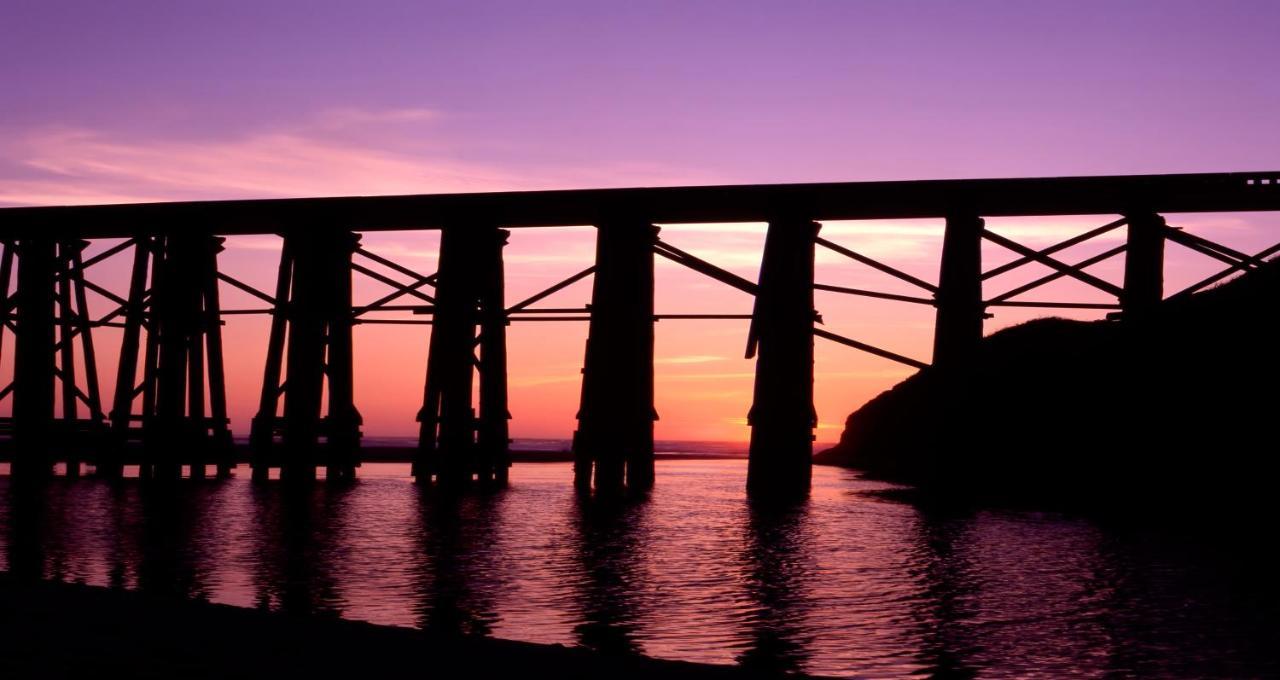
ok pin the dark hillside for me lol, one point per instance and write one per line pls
(1106, 411)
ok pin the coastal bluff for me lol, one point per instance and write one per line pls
(1178, 406)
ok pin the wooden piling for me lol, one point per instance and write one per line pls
(958, 326)
(34, 358)
(1143, 266)
(455, 445)
(613, 446)
(782, 416)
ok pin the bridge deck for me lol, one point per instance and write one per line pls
(1206, 192)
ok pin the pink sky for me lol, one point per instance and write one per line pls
(151, 101)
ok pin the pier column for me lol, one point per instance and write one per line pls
(180, 312)
(126, 390)
(782, 416)
(494, 437)
(958, 328)
(454, 445)
(263, 428)
(1143, 265)
(34, 358)
(342, 423)
(614, 441)
(319, 322)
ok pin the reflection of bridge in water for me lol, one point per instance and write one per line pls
(169, 407)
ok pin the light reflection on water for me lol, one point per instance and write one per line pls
(847, 583)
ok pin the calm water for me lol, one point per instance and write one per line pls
(847, 584)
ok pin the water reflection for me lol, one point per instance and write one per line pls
(609, 544)
(298, 538)
(456, 570)
(777, 569)
(943, 575)
(846, 583)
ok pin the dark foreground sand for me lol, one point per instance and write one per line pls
(55, 630)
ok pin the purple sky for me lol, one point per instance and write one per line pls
(528, 94)
(127, 101)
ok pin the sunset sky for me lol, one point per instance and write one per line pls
(105, 102)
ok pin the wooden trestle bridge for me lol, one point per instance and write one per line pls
(169, 407)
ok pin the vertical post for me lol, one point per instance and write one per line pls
(212, 328)
(782, 416)
(446, 443)
(1143, 266)
(6, 275)
(304, 372)
(66, 323)
(83, 320)
(313, 304)
(127, 368)
(170, 313)
(343, 431)
(195, 432)
(614, 442)
(150, 362)
(493, 438)
(262, 430)
(34, 358)
(958, 326)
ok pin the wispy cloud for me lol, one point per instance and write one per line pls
(336, 152)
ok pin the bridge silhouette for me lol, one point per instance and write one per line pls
(169, 406)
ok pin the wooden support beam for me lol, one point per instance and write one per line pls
(455, 446)
(870, 349)
(34, 358)
(1143, 266)
(874, 294)
(342, 424)
(66, 324)
(551, 290)
(1074, 272)
(1063, 245)
(493, 437)
(220, 443)
(1210, 280)
(446, 444)
(263, 428)
(6, 277)
(1217, 192)
(613, 445)
(703, 267)
(782, 416)
(958, 326)
(319, 344)
(877, 265)
(1054, 276)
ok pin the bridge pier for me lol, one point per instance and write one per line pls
(51, 315)
(614, 441)
(313, 314)
(455, 445)
(782, 417)
(183, 357)
(35, 363)
(112, 463)
(1143, 266)
(958, 326)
